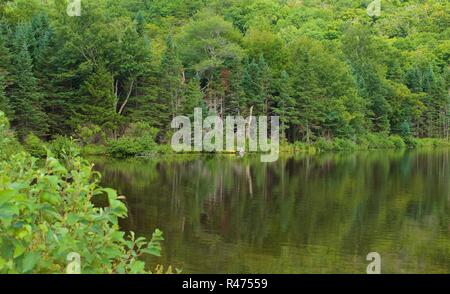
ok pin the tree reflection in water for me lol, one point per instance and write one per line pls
(305, 214)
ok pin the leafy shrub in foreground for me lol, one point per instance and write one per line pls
(47, 213)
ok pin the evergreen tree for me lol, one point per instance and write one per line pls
(26, 100)
(5, 77)
(324, 91)
(249, 83)
(365, 60)
(422, 78)
(285, 106)
(40, 41)
(140, 23)
(235, 92)
(192, 98)
(172, 78)
(257, 82)
(118, 64)
(4, 102)
(264, 86)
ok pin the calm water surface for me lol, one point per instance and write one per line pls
(306, 214)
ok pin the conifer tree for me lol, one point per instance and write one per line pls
(4, 103)
(26, 98)
(171, 78)
(193, 98)
(264, 86)
(5, 78)
(285, 106)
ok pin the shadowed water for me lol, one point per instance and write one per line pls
(306, 214)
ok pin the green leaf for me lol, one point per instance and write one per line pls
(51, 198)
(157, 236)
(30, 261)
(6, 195)
(137, 267)
(53, 180)
(2, 263)
(152, 250)
(112, 194)
(19, 250)
(8, 210)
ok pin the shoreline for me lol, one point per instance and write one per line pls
(298, 148)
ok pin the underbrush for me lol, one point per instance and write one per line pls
(367, 142)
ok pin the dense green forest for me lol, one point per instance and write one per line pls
(112, 79)
(327, 68)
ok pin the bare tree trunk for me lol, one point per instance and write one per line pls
(128, 97)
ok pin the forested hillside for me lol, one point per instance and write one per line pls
(325, 67)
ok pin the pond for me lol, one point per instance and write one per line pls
(301, 214)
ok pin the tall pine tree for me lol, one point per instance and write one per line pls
(285, 105)
(25, 95)
(171, 78)
(5, 67)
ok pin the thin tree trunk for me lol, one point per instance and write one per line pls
(128, 97)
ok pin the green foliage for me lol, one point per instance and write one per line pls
(378, 141)
(61, 146)
(5, 57)
(329, 71)
(8, 143)
(4, 101)
(324, 145)
(340, 145)
(139, 139)
(324, 91)
(90, 134)
(34, 146)
(92, 149)
(48, 212)
(344, 145)
(432, 143)
(141, 129)
(411, 142)
(297, 147)
(363, 142)
(398, 142)
(124, 147)
(26, 98)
